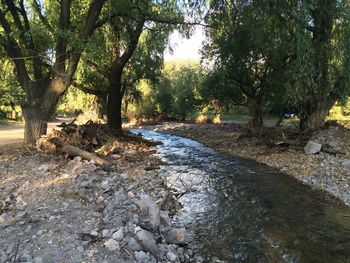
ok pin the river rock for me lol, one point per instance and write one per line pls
(115, 201)
(171, 256)
(3, 257)
(165, 219)
(112, 245)
(150, 214)
(175, 236)
(147, 241)
(346, 163)
(312, 147)
(141, 256)
(106, 233)
(332, 143)
(38, 260)
(133, 245)
(118, 235)
(116, 156)
(26, 258)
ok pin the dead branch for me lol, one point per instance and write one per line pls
(75, 151)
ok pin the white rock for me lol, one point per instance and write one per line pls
(105, 233)
(312, 147)
(112, 245)
(118, 235)
(116, 156)
(346, 163)
(171, 256)
(38, 260)
(150, 214)
(141, 256)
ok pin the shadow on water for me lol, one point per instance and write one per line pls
(242, 211)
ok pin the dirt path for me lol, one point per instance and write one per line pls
(14, 132)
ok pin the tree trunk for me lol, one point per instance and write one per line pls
(42, 99)
(114, 102)
(35, 123)
(312, 120)
(316, 108)
(13, 110)
(257, 115)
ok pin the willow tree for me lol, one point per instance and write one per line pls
(131, 44)
(45, 40)
(322, 71)
(249, 49)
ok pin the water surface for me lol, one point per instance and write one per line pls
(242, 211)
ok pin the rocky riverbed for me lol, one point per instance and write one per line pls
(55, 209)
(281, 148)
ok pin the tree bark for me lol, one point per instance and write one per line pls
(314, 119)
(42, 90)
(35, 123)
(322, 95)
(13, 110)
(114, 101)
(257, 115)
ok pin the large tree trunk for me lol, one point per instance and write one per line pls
(316, 108)
(35, 123)
(314, 119)
(257, 115)
(99, 107)
(114, 102)
(42, 99)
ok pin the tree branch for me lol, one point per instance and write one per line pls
(13, 50)
(61, 45)
(43, 19)
(88, 29)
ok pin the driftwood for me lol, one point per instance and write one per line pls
(75, 151)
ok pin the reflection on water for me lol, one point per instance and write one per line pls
(241, 211)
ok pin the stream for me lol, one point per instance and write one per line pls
(241, 211)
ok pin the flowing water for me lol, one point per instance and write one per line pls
(242, 211)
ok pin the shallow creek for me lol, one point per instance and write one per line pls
(242, 211)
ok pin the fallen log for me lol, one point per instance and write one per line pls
(75, 151)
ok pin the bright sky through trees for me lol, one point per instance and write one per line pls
(185, 49)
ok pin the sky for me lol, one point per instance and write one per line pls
(185, 49)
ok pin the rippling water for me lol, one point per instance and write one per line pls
(241, 211)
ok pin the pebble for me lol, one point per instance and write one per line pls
(3, 257)
(118, 235)
(133, 245)
(141, 256)
(105, 233)
(147, 241)
(165, 219)
(112, 245)
(175, 236)
(346, 163)
(38, 260)
(171, 256)
(80, 249)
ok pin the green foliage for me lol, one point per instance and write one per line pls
(250, 52)
(74, 102)
(11, 95)
(176, 94)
